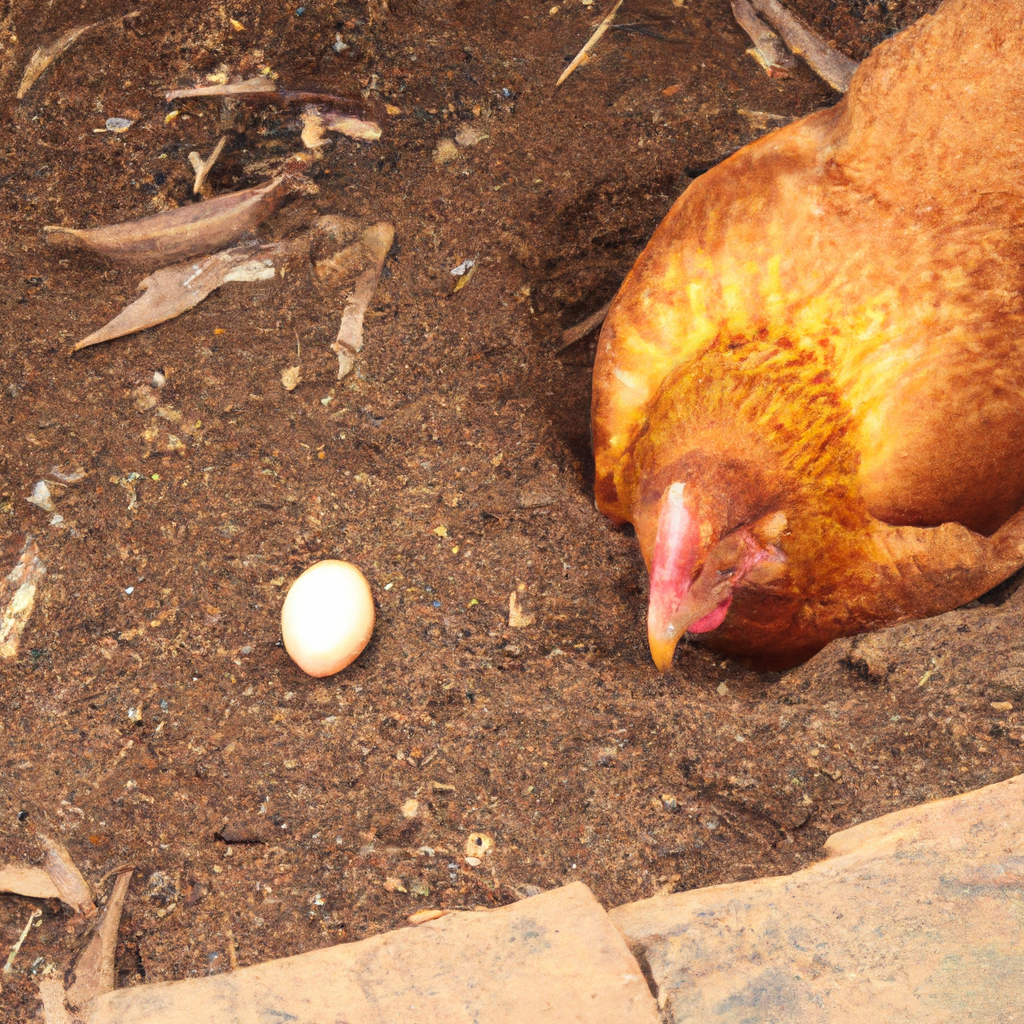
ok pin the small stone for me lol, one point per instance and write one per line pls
(470, 135)
(446, 152)
(410, 808)
(291, 378)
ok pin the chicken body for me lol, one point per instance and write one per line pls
(809, 392)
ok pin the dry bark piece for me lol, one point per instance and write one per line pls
(834, 67)
(72, 888)
(189, 230)
(18, 597)
(46, 55)
(94, 970)
(171, 291)
(376, 242)
(203, 167)
(769, 50)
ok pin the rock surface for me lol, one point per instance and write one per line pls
(554, 957)
(917, 916)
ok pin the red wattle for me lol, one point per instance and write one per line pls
(713, 619)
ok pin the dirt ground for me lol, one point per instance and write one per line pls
(152, 716)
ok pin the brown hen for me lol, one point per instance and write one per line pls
(809, 392)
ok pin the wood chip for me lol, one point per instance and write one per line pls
(517, 617)
(72, 888)
(18, 596)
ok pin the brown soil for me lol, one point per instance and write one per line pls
(167, 728)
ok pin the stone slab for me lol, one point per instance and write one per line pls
(915, 917)
(552, 958)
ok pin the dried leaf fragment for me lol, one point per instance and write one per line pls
(46, 55)
(189, 230)
(422, 916)
(171, 291)
(18, 597)
(376, 242)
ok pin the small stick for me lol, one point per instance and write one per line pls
(573, 334)
(203, 167)
(16, 948)
(769, 50)
(589, 44)
(834, 67)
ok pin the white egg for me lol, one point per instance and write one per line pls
(327, 618)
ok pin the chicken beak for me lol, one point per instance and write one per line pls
(663, 649)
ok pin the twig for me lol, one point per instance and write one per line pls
(573, 334)
(836, 68)
(203, 167)
(769, 50)
(589, 44)
(16, 948)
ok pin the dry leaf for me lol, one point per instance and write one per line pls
(23, 881)
(171, 291)
(72, 888)
(376, 242)
(291, 378)
(18, 597)
(55, 1011)
(189, 230)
